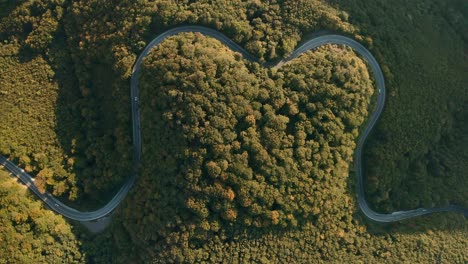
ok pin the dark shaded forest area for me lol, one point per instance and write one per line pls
(240, 163)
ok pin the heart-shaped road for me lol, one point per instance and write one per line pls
(313, 43)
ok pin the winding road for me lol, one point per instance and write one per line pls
(313, 43)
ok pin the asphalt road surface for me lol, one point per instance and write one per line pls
(313, 43)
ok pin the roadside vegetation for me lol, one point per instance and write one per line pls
(54, 127)
(413, 158)
(30, 233)
(227, 141)
(229, 146)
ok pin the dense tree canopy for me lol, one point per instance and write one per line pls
(232, 141)
(30, 233)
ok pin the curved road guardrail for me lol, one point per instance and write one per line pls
(313, 43)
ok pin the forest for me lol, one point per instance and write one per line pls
(241, 163)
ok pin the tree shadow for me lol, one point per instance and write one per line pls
(422, 224)
(72, 130)
(6, 7)
(372, 20)
(86, 124)
(78, 118)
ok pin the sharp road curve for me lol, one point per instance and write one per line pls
(313, 43)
